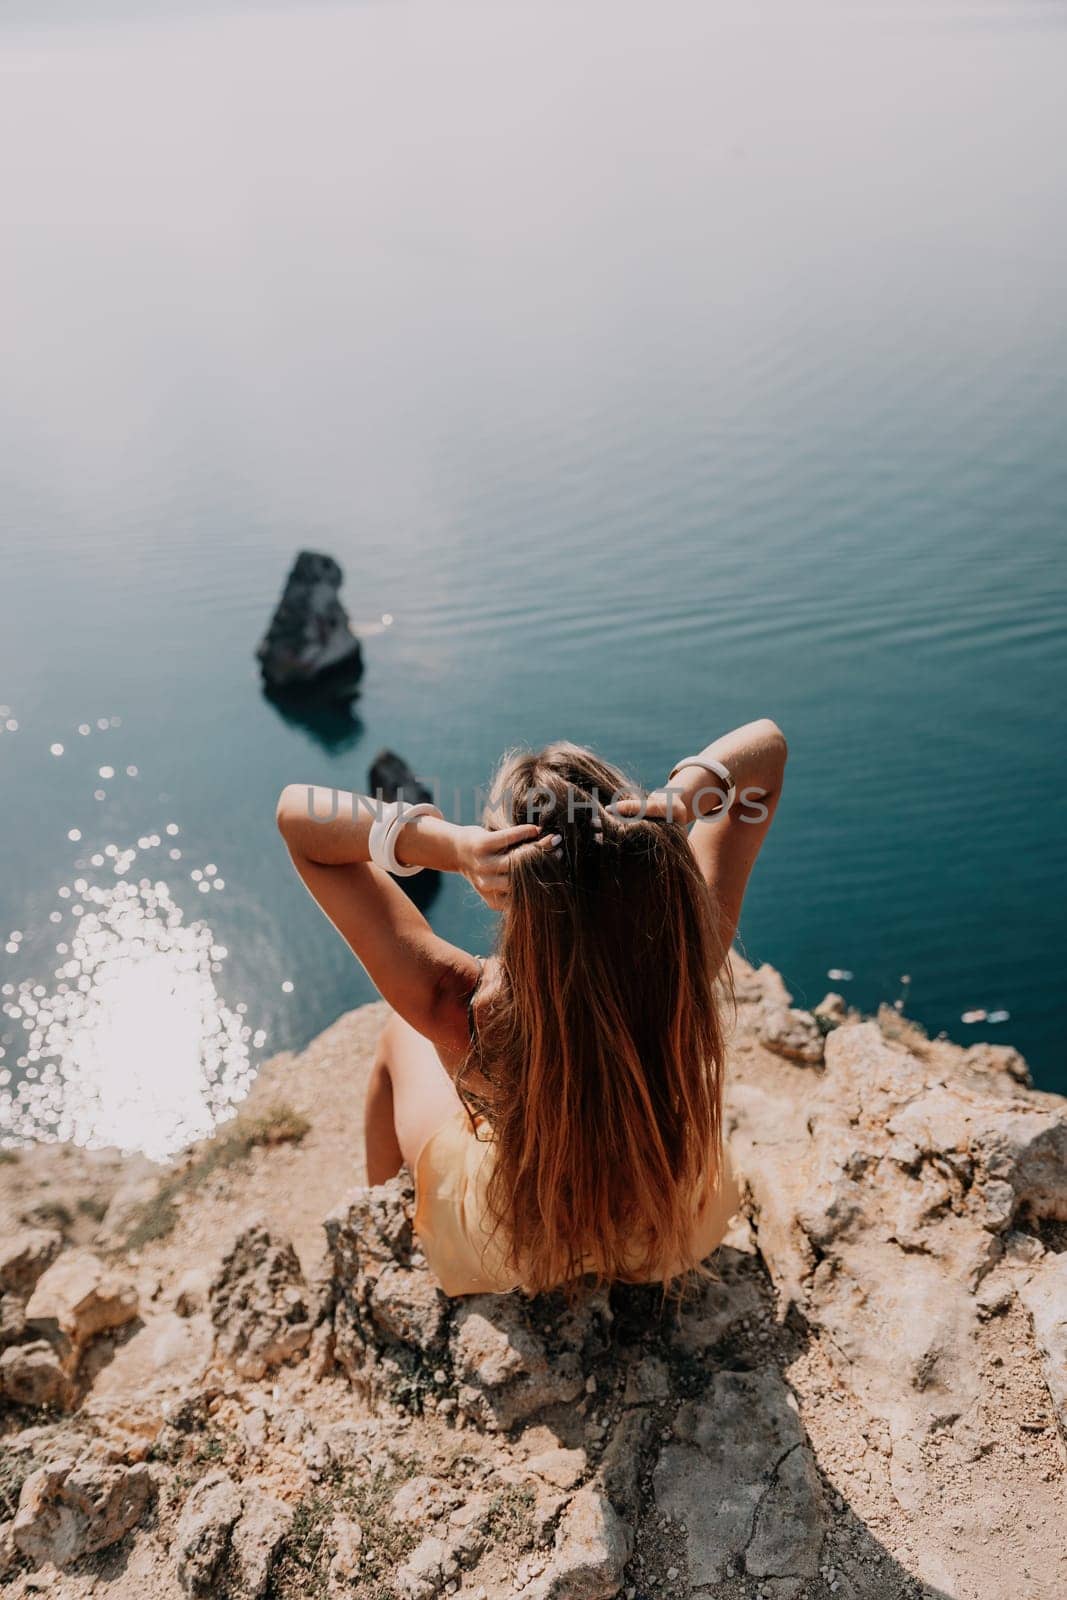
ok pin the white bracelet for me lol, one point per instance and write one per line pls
(385, 830)
(717, 770)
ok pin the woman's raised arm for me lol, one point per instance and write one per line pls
(423, 977)
(726, 843)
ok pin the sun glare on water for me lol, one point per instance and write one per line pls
(132, 1045)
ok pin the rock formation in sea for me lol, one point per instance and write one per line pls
(390, 776)
(236, 1377)
(310, 640)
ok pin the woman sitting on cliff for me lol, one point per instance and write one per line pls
(559, 1104)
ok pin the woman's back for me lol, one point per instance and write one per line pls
(598, 1054)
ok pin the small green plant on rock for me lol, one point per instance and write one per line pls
(509, 1520)
(278, 1124)
(302, 1569)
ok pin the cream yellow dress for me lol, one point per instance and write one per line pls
(451, 1173)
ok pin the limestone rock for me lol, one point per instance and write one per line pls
(125, 1210)
(619, 1470)
(371, 1229)
(80, 1296)
(423, 1499)
(202, 1541)
(384, 1296)
(757, 985)
(68, 1510)
(794, 1034)
(33, 1375)
(408, 1306)
(259, 1531)
(260, 1305)
(1045, 1297)
(502, 1365)
(832, 1008)
(883, 1196)
(427, 1569)
(192, 1292)
(998, 1058)
(346, 1542)
(1025, 1146)
(740, 1477)
(564, 1469)
(310, 635)
(908, 1198)
(467, 1528)
(25, 1256)
(718, 1311)
(164, 1358)
(592, 1547)
(648, 1382)
(12, 1318)
(9, 1551)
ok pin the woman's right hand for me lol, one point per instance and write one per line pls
(483, 856)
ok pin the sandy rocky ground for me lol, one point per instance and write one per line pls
(208, 1392)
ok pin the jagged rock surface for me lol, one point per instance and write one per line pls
(72, 1509)
(260, 1303)
(883, 1208)
(866, 1401)
(79, 1297)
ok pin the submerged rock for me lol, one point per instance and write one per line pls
(310, 638)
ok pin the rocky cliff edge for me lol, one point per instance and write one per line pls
(235, 1377)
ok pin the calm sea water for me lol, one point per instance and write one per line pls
(655, 368)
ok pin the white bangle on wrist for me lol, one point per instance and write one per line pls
(385, 831)
(716, 769)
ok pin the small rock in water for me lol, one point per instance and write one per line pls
(998, 1016)
(977, 1015)
(391, 777)
(310, 637)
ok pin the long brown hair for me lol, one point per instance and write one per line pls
(603, 1042)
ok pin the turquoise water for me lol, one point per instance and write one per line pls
(653, 368)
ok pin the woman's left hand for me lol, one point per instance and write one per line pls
(484, 857)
